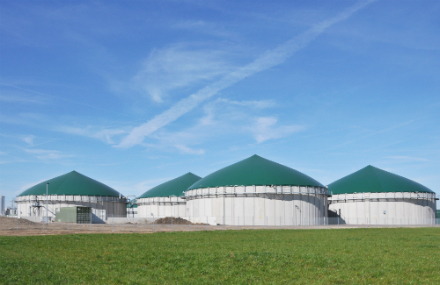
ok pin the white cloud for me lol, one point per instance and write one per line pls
(45, 154)
(188, 150)
(140, 187)
(223, 120)
(407, 158)
(29, 139)
(264, 129)
(267, 60)
(105, 135)
(178, 66)
(262, 104)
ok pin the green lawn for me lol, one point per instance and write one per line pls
(344, 256)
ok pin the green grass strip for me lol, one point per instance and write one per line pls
(348, 256)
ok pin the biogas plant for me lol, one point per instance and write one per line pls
(254, 192)
(49, 198)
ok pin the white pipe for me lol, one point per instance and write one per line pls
(47, 209)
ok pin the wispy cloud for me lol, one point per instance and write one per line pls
(105, 135)
(267, 60)
(262, 104)
(137, 188)
(29, 139)
(406, 158)
(30, 119)
(45, 154)
(186, 149)
(224, 119)
(360, 138)
(178, 66)
(384, 146)
(16, 97)
(203, 27)
(265, 129)
(15, 86)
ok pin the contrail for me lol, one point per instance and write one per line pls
(267, 60)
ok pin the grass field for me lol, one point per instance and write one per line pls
(402, 255)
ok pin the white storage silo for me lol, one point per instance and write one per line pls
(257, 191)
(68, 190)
(374, 196)
(165, 200)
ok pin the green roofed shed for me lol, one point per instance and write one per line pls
(72, 183)
(257, 171)
(371, 179)
(174, 187)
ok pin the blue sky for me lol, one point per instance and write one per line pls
(135, 93)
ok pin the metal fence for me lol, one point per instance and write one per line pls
(170, 224)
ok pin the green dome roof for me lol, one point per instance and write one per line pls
(72, 183)
(258, 171)
(374, 180)
(173, 187)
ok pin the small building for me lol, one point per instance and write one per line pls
(69, 190)
(257, 191)
(166, 199)
(375, 196)
(75, 214)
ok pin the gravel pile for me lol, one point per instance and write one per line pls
(6, 222)
(176, 221)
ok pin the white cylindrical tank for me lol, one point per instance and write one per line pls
(372, 196)
(34, 208)
(258, 205)
(161, 207)
(257, 191)
(165, 200)
(68, 190)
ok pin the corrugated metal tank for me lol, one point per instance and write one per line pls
(377, 197)
(68, 190)
(165, 200)
(257, 191)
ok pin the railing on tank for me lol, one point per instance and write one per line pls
(383, 196)
(70, 198)
(249, 190)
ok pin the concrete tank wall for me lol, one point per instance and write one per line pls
(258, 205)
(402, 208)
(161, 207)
(102, 207)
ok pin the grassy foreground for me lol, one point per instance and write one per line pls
(249, 256)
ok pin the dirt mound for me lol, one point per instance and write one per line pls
(7, 222)
(171, 220)
(175, 221)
